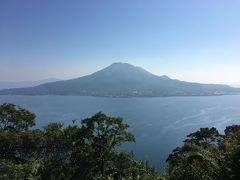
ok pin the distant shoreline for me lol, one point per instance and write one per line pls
(119, 97)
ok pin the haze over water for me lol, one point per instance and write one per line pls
(159, 124)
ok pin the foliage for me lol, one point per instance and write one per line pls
(102, 134)
(206, 154)
(15, 119)
(89, 151)
(73, 152)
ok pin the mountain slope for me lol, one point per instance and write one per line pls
(124, 80)
(23, 84)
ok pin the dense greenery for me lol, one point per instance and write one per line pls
(57, 152)
(88, 151)
(207, 154)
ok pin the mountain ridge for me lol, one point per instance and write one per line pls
(22, 84)
(124, 80)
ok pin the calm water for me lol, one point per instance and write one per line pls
(159, 124)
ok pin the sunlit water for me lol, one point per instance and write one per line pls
(159, 124)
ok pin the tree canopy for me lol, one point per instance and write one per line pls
(206, 154)
(85, 151)
(89, 151)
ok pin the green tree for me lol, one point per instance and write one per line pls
(18, 144)
(72, 152)
(231, 149)
(207, 154)
(15, 119)
(197, 158)
(101, 135)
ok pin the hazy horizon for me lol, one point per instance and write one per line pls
(187, 40)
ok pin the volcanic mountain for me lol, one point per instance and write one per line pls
(124, 80)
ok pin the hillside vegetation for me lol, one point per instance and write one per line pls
(88, 151)
(56, 152)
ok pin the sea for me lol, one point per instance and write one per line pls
(160, 124)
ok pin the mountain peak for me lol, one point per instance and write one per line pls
(123, 69)
(165, 77)
(121, 64)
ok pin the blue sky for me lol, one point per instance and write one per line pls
(190, 40)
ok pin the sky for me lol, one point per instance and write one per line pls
(190, 40)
